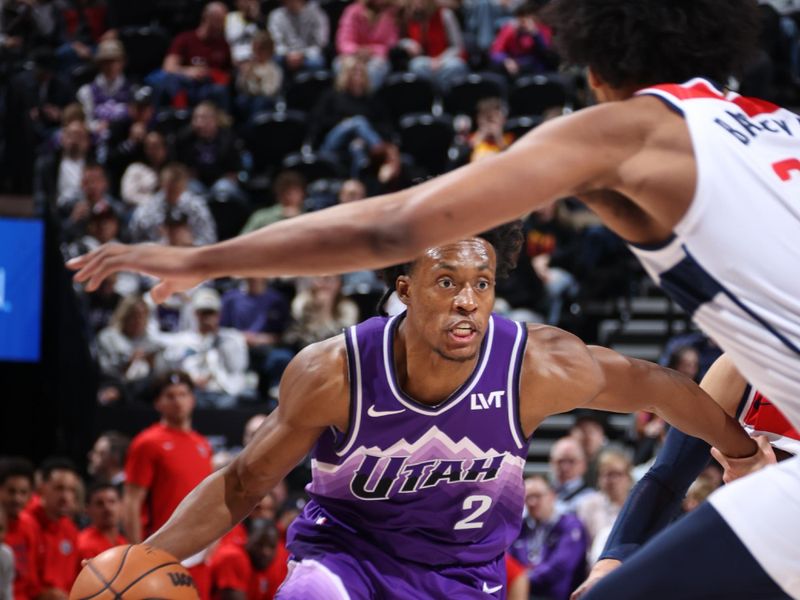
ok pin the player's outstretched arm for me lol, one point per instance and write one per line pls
(314, 396)
(558, 159)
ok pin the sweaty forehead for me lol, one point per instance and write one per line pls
(470, 252)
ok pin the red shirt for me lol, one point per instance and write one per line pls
(169, 463)
(236, 536)
(194, 52)
(92, 541)
(24, 537)
(514, 569)
(231, 570)
(60, 562)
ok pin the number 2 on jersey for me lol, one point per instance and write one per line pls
(469, 522)
(784, 168)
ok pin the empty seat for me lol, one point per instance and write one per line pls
(313, 166)
(465, 94)
(406, 93)
(519, 126)
(535, 94)
(229, 216)
(306, 89)
(427, 138)
(145, 48)
(171, 120)
(274, 135)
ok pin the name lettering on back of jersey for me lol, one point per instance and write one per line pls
(480, 402)
(745, 129)
(377, 476)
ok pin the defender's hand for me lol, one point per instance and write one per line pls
(600, 570)
(739, 467)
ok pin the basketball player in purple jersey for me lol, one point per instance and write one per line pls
(705, 186)
(418, 426)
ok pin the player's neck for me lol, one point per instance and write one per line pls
(181, 424)
(425, 375)
(111, 533)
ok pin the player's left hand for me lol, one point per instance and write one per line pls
(739, 467)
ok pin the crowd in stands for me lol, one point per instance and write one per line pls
(187, 122)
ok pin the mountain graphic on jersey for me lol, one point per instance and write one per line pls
(405, 468)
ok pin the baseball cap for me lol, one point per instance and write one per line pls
(206, 299)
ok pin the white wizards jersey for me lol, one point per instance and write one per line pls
(734, 261)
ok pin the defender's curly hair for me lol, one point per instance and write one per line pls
(647, 42)
(506, 240)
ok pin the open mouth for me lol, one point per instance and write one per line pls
(463, 332)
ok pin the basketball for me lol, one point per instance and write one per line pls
(134, 572)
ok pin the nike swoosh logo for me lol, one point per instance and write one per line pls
(383, 413)
(491, 590)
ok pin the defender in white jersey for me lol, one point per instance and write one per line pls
(707, 187)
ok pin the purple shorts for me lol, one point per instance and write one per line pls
(327, 570)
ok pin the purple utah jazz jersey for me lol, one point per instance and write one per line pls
(438, 485)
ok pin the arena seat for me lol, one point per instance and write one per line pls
(305, 90)
(313, 165)
(427, 138)
(273, 135)
(406, 93)
(534, 94)
(465, 93)
(145, 48)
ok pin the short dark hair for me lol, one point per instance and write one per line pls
(647, 42)
(174, 377)
(57, 463)
(100, 486)
(16, 467)
(288, 180)
(505, 239)
(544, 479)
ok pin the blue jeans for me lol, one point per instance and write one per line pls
(355, 134)
(450, 69)
(167, 86)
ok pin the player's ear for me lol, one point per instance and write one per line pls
(402, 288)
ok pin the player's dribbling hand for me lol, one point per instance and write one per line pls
(739, 467)
(599, 570)
(169, 264)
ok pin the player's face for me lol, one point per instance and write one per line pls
(175, 403)
(60, 493)
(15, 494)
(450, 295)
(104, 509)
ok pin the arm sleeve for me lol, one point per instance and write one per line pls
(655, 501)
(455, 41)
(570, 550)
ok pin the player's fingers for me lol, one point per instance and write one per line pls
(162, 291)
(719, 457)
(95, 260)
(107, 267)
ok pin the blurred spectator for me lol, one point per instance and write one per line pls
(259, 79)
(99, 305)
(301, 33)
(102, 227)
(92, 203)
(59, 174)
(290, 192)
(358, 282)
(356, 125)
(524, 46)
(107, 458)
(253, 572)
(651, 430)
(568, 466)
(517, 582)
(215, 357)
(105, 99)
(260, 312)
(6, 560)
(36, 98)
(198, 63)
(84, 26)
(141, 179)
(368, 30)
(433, 44)
(241, 27)
(686, 360)
(210, 150)
(599, 511)
(482, 20)
(126, 137)
(23, 534)
(252, 425)
(149, 218)
(490, 136)
(165, 462)
(707, 350)
(26, 24)
(320, 311)
(104, 505)
(590, 430)
(697, 493)
(552, 544)
(127, 353)
(59, 504)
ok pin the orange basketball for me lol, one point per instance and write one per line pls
(134, 573)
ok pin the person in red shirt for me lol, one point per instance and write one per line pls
(165, 462)
(251, 573)
(517, 582)
(59, 503)
(23, 535)
(104, 505)
(198, 65)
